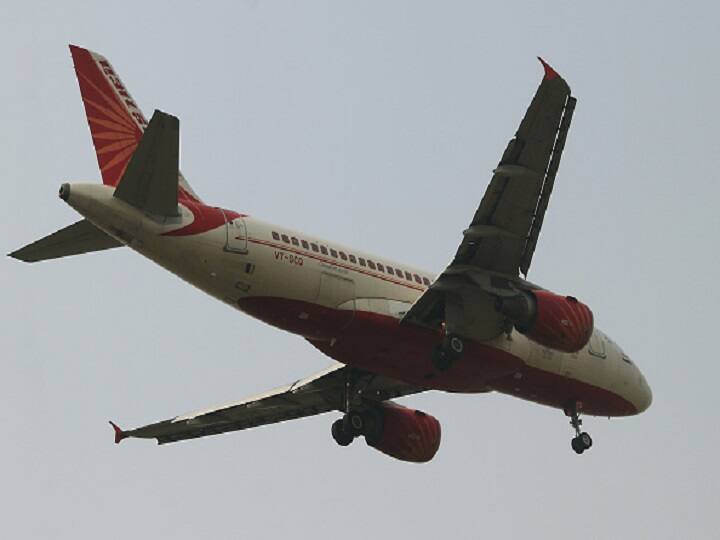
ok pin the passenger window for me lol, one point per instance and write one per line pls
(381, 267)
(417, 279)
(352, 259)
(314, 247)
(295, 241)
(426, 281)
(398, 273)
(408, 275)
(371, 264)
(305, 244)
(362, 261)
(323, 250)
(343, 256)
(333, 253)
(285, 238)
(390, 270)
(275, 236)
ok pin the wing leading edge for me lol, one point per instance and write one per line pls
(501, 239)
(317, 394)
(504, 230)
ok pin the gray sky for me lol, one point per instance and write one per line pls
(375, 124)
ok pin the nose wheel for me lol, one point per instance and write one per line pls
(582, 440)
(581, 443)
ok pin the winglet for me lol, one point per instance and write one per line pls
(550, 73)
(119, 433)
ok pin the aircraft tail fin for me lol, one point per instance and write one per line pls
(150, 181)
(80, 237)
(116, 121)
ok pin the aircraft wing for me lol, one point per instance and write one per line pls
(500, 241)
(317, 394)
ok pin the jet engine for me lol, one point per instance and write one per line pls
(558, 322)
(405, 434)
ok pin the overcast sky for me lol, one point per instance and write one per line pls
(375, 124)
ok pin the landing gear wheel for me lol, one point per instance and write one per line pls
(341, 435)
(355, 423)
(441, 360)
(577, 445)
(447, 352)
(582, 440)
(456, 345)
(586, 440)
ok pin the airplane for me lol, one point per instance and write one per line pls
(392, 329)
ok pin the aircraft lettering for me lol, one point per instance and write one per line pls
(124, 94)
(139, 118)
(290, 258)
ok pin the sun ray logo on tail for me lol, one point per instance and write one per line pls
(116, 122)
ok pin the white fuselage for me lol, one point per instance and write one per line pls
(247, 259)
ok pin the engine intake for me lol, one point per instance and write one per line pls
(558, 322)
(405, 434)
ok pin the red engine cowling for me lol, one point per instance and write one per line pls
(406, 434)
(558, 322)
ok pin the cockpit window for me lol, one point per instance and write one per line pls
(596, 347)
(626, 358)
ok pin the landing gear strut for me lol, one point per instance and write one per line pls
(582, 440)
(448, 351)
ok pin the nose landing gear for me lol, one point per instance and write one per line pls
(582, 440)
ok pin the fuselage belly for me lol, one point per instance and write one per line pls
(351, 312)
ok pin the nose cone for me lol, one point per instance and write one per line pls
(644, 396)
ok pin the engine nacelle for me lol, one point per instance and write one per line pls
(558, 322)
(405, 434)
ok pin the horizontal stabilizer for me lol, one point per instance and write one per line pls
(150, 182)
(80, 237)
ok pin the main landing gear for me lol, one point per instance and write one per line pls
(447, 352)
(351, 425)
(582, 440)
(359, 419)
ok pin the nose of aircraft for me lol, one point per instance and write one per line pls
(644, 396)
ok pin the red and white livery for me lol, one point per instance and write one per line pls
(393, 329)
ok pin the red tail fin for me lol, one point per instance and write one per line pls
(116, 122)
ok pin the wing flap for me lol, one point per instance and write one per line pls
(548, 184)
(519, 191)
(502, 236)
